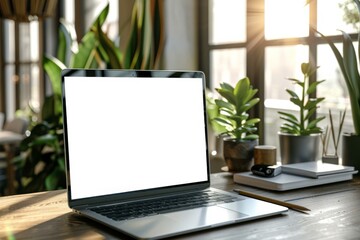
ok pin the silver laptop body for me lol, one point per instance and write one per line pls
(133, 136)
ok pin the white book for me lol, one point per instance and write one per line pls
(315, 169)
(285, 181)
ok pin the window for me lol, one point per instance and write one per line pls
(267, 40)
(21, 66)
(22, 84)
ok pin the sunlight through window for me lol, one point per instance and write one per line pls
(286, 19)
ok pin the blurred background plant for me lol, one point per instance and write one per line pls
(351, 15)
(41, 165)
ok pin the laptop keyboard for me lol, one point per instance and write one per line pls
(119, 212)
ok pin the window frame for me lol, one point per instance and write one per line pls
(255, 56)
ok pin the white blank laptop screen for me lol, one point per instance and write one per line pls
(129, 134)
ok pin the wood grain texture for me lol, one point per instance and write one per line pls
(335, 214)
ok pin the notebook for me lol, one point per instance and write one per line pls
(284, 181)
(315, 169)
(135, 141)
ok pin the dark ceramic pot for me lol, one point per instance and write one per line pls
(350, 150)
(239, 156)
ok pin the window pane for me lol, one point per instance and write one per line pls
(34, 40)
(286, 19)
(334, 88)
(280, 63)
(24, 86)
(227, 65)
(35, 87)
(10, 80)
(331, 17)
(227, 21)
(24, 41)
(9, 41)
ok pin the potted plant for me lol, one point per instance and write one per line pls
(348, 64)
(300, 136)
(239, 132)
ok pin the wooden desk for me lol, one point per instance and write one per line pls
(335, 215)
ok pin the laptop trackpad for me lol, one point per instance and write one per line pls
(181, 222)
(206, 216)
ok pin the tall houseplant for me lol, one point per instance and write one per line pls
(41, 166)
(348, 63)
(300, 136)
(239, 129)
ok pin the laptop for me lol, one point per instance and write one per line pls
(136, 154)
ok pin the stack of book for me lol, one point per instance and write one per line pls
(298, 175)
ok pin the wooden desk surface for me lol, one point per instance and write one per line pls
(335, 214)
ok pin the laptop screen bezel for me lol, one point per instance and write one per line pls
(74, 203)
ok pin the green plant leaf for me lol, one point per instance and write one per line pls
(351, 64)
(72, 46)
(288, 115)
(224, 122)
(101, 17)
(226, 112)
(62, 44)
(147, 56)
(241, 90)
(85, 57)
(355, 105)
(312, 103)
(53, 68)
(222, 104)
(296, 101)
(227, 94)
(40, 129)
(292, 93)
(245, 107)
(109, 51)
(251, 93)
(47, 139)
(239, 117)
(252, 121)
(313, 123)
(132, 53)
(51, 181)
(51, 110)
(310, 113)
(291, 122)
(139, 52)
(249, 129)
(295, 127)
(290, 130)
(227, 86)
(296, 81)
(313, 86)
(158, 29)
